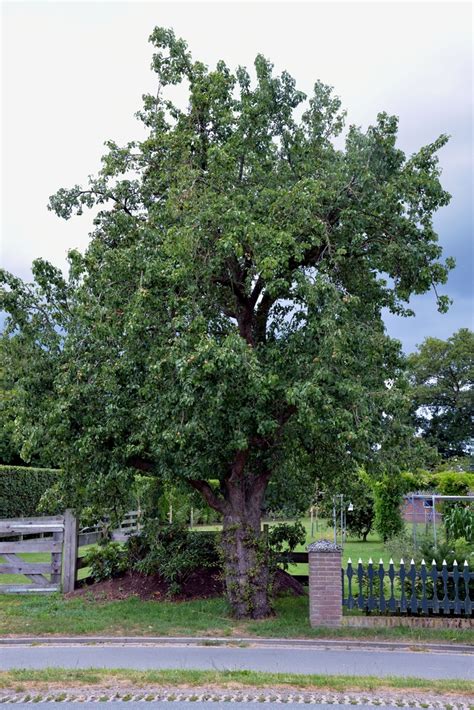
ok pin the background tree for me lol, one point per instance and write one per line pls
(356, 489)
(442, 374)
(224, 322)
(360, 520)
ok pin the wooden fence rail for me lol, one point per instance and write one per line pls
(61, 539)
(43, 577)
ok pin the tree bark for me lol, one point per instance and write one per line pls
(245, 553)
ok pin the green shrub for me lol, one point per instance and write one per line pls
(446, 482)
(418, 480)
(21, 488)
(106, 561)
(173, 551)
(283, 538)
(451, 483)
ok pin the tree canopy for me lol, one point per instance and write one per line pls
(442, 373)
(225, 321)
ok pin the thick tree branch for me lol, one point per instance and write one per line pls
(261, 316)
(209, 495)
(237, 466)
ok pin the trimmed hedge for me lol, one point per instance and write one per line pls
(21, 488)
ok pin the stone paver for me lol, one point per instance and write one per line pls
(243, 698)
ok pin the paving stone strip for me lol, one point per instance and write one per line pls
(253, 695)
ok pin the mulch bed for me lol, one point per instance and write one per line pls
(200, 584)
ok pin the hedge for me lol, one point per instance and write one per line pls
(446, 483)
(21, 488)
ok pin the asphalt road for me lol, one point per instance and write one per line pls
(333, 661)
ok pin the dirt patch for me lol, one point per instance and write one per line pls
(200, 584)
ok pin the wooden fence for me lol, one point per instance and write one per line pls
(58, 536)
(91, 535)
(23, 534)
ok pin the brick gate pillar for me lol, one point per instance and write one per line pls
(325, 585)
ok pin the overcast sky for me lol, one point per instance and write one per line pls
(73, 74)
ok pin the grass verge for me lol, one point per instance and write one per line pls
(23, 679)
(54, 615)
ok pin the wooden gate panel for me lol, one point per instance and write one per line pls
(45, 577)
(36, 545)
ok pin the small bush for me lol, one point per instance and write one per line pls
(107, 561)
(449, 551)
(173, 551)
(283, 538)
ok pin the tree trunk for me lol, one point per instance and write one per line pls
(246, 566)
(245, 555)
(245, 552)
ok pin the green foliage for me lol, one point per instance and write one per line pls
(106, 561)
(442, 373)
(444, 481)
(453, 483)
(279, 505)
(9, 448)
(459, 464)
(388, 497)
(459, 522)
(178, 500)
(172, 551)
(283, 539)
(225, 320)
(21, 489)
(146, 494)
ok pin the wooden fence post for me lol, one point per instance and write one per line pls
(70, 551)
(56, 560)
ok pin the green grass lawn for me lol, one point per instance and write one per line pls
(53, 614)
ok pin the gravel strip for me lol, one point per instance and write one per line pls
(250, 695)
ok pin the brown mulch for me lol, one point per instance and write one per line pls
(200, 584)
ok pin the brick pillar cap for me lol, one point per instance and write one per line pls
(324, 546)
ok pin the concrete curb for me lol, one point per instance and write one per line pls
(329, 644)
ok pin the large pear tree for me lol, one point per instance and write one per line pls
(224, 323)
